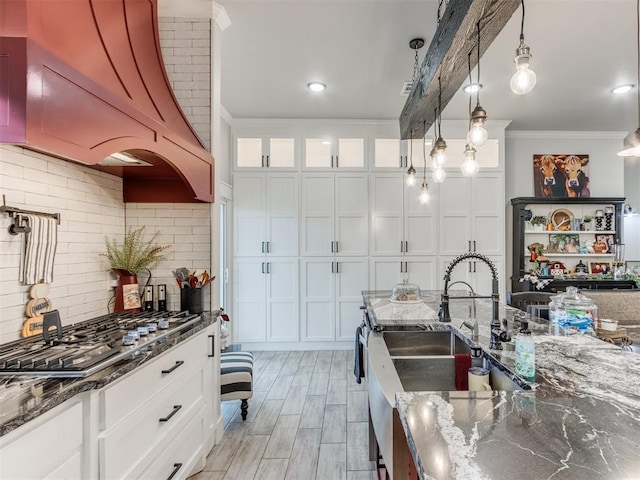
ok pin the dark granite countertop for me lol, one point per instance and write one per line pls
(23, 398)
(581, 420)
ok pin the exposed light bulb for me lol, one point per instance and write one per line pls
(470, 167)
(411, 178)
(424, 197)
(524, 79)
(477, 136)
(439, 175)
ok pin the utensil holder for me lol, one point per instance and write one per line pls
(192, 299)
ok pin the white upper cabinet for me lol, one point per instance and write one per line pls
(334, 153)
(265, 152)
(395, 154)
(265, 214)
(334, 214)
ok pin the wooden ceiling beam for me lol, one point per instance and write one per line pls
(447, 56)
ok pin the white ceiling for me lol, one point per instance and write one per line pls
(360, 50)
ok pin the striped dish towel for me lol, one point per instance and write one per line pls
(36, 263)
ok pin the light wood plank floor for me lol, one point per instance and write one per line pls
(307, 419)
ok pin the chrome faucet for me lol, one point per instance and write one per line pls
(497, 335)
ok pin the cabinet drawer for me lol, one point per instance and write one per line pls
(125, 449)
(182, 455)
(149, 379)
(47, 445)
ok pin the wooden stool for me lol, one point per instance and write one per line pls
(236, 378)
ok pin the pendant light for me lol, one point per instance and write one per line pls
(524, 79)
(440, 146)
(411, 172)
(439, 174)
(631, 144)
(425, 197)
(470, 165)
(477, 135)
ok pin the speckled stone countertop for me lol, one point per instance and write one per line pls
(580, 421)
(23, 398)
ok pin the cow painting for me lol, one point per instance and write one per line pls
(562, 176)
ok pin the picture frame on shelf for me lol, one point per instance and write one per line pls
(607, 238)
(603, 268)
(564, 243)
(633, 266)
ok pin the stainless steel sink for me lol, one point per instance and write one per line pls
(423, 343)
(436, 373)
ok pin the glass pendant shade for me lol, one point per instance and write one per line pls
(477, 136)
(470, 166)
(424, 197)
(439, 175)
(524, 79)
(631, 145)
(440, 155)
(411, 177)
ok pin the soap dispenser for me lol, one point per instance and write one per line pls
(525, 355)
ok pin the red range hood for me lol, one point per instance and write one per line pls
(83, 79)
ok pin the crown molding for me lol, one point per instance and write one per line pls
(559, 134)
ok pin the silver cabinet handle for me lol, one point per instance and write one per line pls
(401, 246)
(401, 271)
(262, 247)
(262, 267)
(401, 162)
(332, 246)
(474, 267)
(262, 162)
(268, 247)
(337, 162)
(406, 246)
(171, 414)
(406, 267)
(337, 249)
(469, 241)
(268, 267)
(337, 267)
(469, 267)
(331, 161)
(474, 245)
(332, 268)
(268, 164)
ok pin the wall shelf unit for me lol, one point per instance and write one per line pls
(579, 207)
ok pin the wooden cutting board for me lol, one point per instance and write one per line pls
(33, 326)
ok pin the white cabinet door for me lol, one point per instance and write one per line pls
(351, 214)
(329, 152)
(387, 222)
(386, 272)
(265, 152)
(317, 307)
(350, 153)
(422, 271)
(351, 280)
(386, 154)
(250, 323)
(455, 207)
(282, 299)
(481, 277)
(317, 214)
(249, 215)
(282, 214)
(318, 153)
(488, 209)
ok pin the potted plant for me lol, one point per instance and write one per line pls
(126, 259)
(539, 222)
(586, 221)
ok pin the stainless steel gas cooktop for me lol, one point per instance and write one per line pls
(81, 349)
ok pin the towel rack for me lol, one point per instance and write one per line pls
(15, 228)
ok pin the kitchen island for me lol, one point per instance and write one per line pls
(151, 414)
(580, 420)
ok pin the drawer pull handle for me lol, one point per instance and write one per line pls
(178, 363)
(173, 412)
(176, 467)
(213, 346)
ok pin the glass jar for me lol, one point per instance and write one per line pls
(573, 311)
(405, 292)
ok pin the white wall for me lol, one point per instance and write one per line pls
(91, 208)
(632, 192)
(606, 169)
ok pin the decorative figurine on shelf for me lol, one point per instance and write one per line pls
(608, 213)
(535, 249)
(599, 219)
(557, 268)
(581, 267)
(586, 223)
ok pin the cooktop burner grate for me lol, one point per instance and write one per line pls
(87, 347)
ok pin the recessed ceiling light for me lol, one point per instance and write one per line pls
(473, 87)
(316, 86)
(620, 89)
